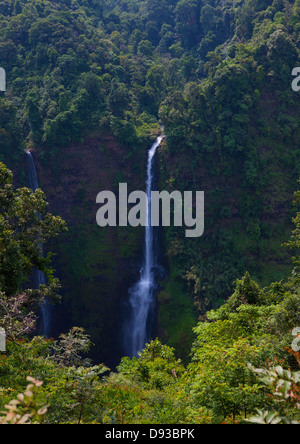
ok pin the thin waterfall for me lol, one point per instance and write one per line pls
(38, 275)
(138, 330)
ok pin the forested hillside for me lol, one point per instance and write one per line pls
(89, 85)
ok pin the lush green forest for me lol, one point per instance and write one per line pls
(89, 84)
(244, 363)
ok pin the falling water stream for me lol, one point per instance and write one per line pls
(142, 294)
(39, 276)
(139, 325)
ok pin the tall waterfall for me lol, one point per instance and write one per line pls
(142, 294)
(39, 276)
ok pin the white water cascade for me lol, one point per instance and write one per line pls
(142, 294)
(39, 276)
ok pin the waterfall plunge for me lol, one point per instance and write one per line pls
(39, 276)
(142, 294)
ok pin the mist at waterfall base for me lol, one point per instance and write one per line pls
(38, 276)
(141, 311)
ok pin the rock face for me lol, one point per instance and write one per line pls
(96, 266)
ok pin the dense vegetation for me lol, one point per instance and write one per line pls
(71, 64)
(217, 75)
(243, 364)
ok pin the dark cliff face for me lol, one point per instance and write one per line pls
(96, 266)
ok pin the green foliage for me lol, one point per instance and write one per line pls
(25, 228)
(67, 350)
(217, 74)
(283, 386)
(25, 409)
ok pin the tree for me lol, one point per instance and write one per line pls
(14, 318)
(118, 98)
(145, 48)
(187, 21)
(25, 409)
(67, 350)
(25, 227)
(10, 133)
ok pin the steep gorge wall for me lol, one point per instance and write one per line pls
(95, 265)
